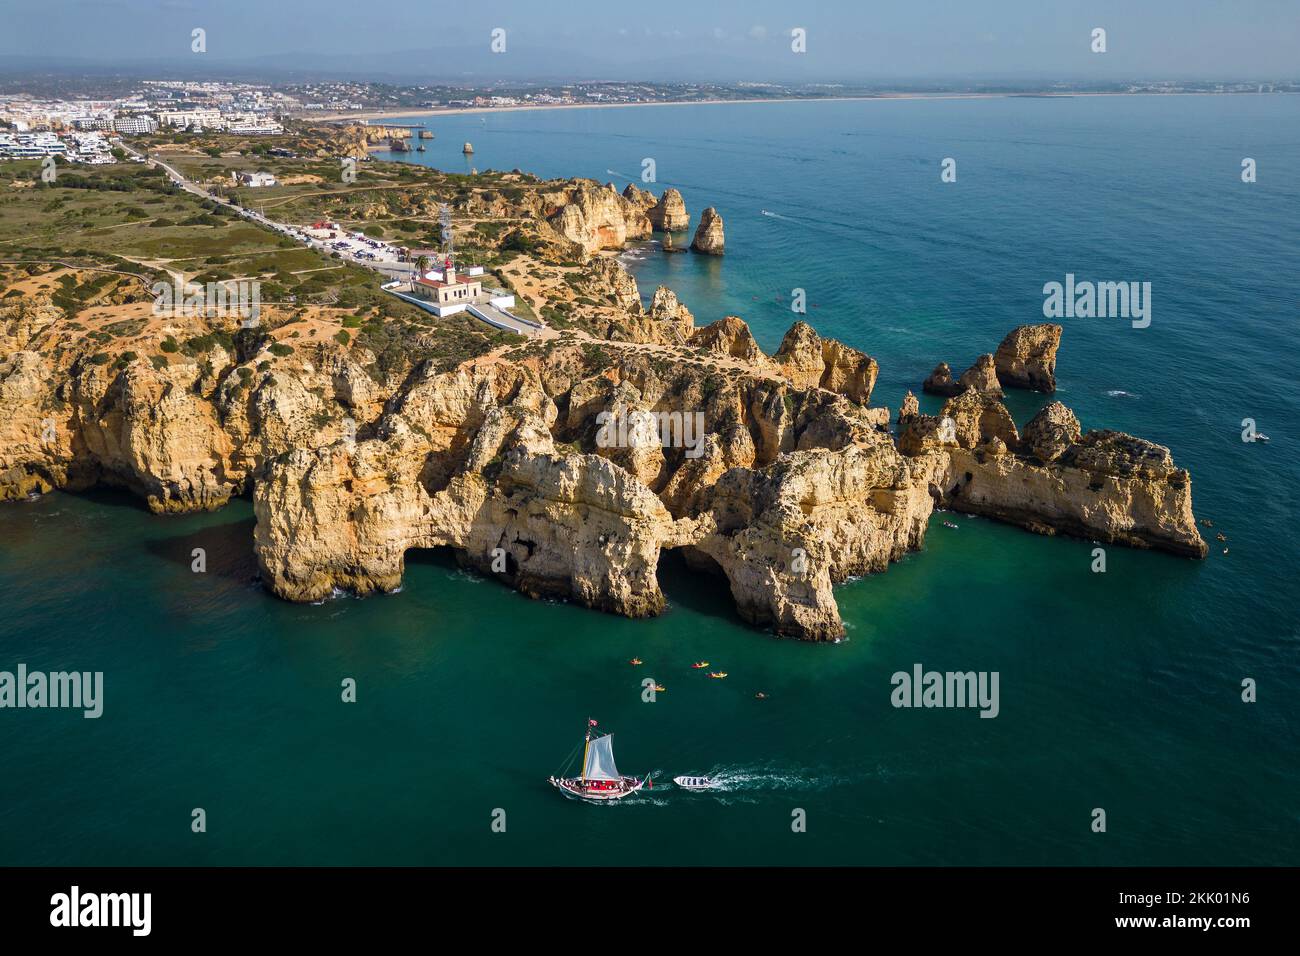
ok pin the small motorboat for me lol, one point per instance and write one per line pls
(760, 696)
(695, 783)
(660, 688)
(1260, 436)
(699, 665)
(635, 662)
(949, 524)
(717, 675)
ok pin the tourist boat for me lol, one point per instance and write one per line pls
(695, 783)
(700, 665)
(600, 779)
(717, 675)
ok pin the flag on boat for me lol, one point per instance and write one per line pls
(590, 722)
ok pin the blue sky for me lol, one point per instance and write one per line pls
(662, 39)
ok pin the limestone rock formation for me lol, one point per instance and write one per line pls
(1051, 432)
(709, 238)
(1102, 485)
(609, 279)
(1027, 357)
(940, 381)
(669, 213)
(671, 315)
(978, 419)
(596, 218)
(643, 199)
(810, 362)
(729, 336)
(773, 473)
(981, 377)
(909, 408)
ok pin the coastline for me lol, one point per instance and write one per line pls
(458, 111)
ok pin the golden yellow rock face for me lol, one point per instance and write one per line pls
(564, 468)
(709, 236)
(596, 217)
(1104, 485)
(787, 491)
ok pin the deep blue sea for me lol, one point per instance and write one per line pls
(1119, 691)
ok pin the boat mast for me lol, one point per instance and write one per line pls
(582, 773)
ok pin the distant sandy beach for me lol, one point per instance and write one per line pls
(401, 114)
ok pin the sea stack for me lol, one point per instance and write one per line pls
(709, 237)
(669, 213)
(1027, 357)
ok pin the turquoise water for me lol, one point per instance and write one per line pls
(1117, 690)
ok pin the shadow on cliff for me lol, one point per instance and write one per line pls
(695, 589)
(227, 549)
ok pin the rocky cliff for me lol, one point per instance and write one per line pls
(1102, 485)
(669, 213)
(597, 218)
(565, 467)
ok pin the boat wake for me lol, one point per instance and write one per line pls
(759, 779)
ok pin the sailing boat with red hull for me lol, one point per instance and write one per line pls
(600, 779)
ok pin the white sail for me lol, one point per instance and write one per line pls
(600, 759)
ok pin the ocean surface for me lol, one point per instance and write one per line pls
(1119, 691)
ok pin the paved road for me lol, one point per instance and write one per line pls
(389, 270)
(495, 316)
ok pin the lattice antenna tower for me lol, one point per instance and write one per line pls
(444, 217)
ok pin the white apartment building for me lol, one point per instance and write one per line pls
(135, 124)
(192, 118)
